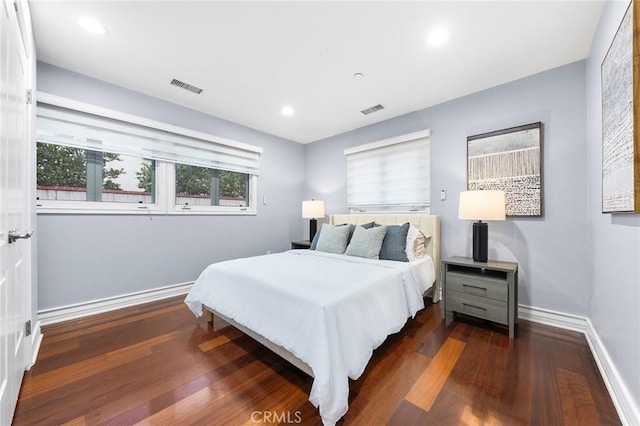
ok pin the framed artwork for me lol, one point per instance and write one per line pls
(620, 139)
(509, 160)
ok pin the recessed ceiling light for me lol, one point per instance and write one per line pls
(438, 36)
(288, 111)
(92, 26)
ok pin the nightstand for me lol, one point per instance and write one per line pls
(300, 244)
(487, 290)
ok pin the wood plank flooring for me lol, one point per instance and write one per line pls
(156, 364)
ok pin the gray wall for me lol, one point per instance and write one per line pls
(88, 257)
(614, 240)
(552, 249)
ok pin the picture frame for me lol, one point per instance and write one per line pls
(509, 160)
(620, 78)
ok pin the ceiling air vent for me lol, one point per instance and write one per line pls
(372, 109)
(186, 86)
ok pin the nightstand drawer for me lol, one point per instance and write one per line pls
(488, 309)
(476, 285)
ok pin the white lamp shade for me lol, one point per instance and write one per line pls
(482, 205)
(312, 209)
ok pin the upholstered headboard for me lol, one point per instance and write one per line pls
(429, 225)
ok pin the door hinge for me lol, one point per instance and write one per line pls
(27, 328)
(29, 96)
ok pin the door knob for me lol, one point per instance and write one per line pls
(15, 235)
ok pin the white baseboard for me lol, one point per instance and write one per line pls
(79, 310)
(629, 413)
(622, 399)
(553, 318)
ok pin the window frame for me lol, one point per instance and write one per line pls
(106, 207)
(178, 209)
(165, 172)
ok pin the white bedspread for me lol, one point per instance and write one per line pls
(331, 311)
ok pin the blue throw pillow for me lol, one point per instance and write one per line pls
(395, 243)
(366, 242)
(333, 239)
(314, 243)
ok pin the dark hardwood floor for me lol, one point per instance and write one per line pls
(158, 364)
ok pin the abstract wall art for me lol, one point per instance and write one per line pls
(621, 118)
(509, 160)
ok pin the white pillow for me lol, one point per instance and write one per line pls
(416, 243)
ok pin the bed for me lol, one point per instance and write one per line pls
(323, 312)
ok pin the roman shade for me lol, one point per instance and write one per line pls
(390, 173)
(108, 131)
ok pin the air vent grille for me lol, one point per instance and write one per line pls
(186, 86)
(372, 109)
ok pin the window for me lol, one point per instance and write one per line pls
(74, 174)
(392, 174)
(202, 186)
(96, 160)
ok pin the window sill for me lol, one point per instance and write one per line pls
(213, 212)
(117, 210)
(93, 210)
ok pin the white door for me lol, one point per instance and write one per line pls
(15, 181)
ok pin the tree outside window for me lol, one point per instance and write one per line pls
(66, 173)
(202, 183)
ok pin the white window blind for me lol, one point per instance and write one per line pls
(393, 173)
(152, 140)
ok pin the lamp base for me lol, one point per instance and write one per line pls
(480, 241)
(313, 227)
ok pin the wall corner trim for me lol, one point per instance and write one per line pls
(79, 310)
(622, 399)
(34, 344)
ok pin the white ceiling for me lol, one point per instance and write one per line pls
(253, 58)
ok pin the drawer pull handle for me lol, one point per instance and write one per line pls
(474, 286)
(473, 306)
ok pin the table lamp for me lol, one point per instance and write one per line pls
(312, 209)
(479, 206)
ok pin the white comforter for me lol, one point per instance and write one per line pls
(331, 311)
